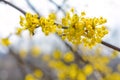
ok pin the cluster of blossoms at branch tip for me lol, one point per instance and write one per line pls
(82, 29)
(75, 28)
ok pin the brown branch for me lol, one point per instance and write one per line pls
(110, 45)
(14, 6)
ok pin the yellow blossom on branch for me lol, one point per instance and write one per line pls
(75, 28)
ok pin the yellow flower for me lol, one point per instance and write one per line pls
(5, 41)
(35, 51)
(30, 22)
(65, 21)
(52, 16)
(83, 13)
(38, 73)
(29, 77)
(88, 69)
(61, 76)
(73, 71)
(72, 10)
(69, 57)
(18, 31)
(23, 53)
(81, 76)
(57, 54)
(114, 54)
(113, 76)
(46, 57)
(22, 21)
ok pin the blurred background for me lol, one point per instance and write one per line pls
(9, 21)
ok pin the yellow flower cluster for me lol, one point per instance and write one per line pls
(74, 28)
(48, 24)
(82, 29)
(30, 22)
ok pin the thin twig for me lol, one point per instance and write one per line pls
(31, 6)
(110, 45)
(14, 6)
(59, 7)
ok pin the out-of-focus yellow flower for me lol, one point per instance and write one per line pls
(35, 51)
(59, 65)
(29, 77)
(38, 73)
(61, 76)
(23, 53)
(57, 54)
(83, 13)
(73, 71)
(46, 57)
(114, 54)
(69, 57)
(81, 76)
(72, 10)
(22, 21)
(88, 69)
(5, 41)
(113, 76)
(18, 31)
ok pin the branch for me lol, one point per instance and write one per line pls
(103, 42)
(14, 6)
(31, 6)
(58, 7)
(110, 45)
